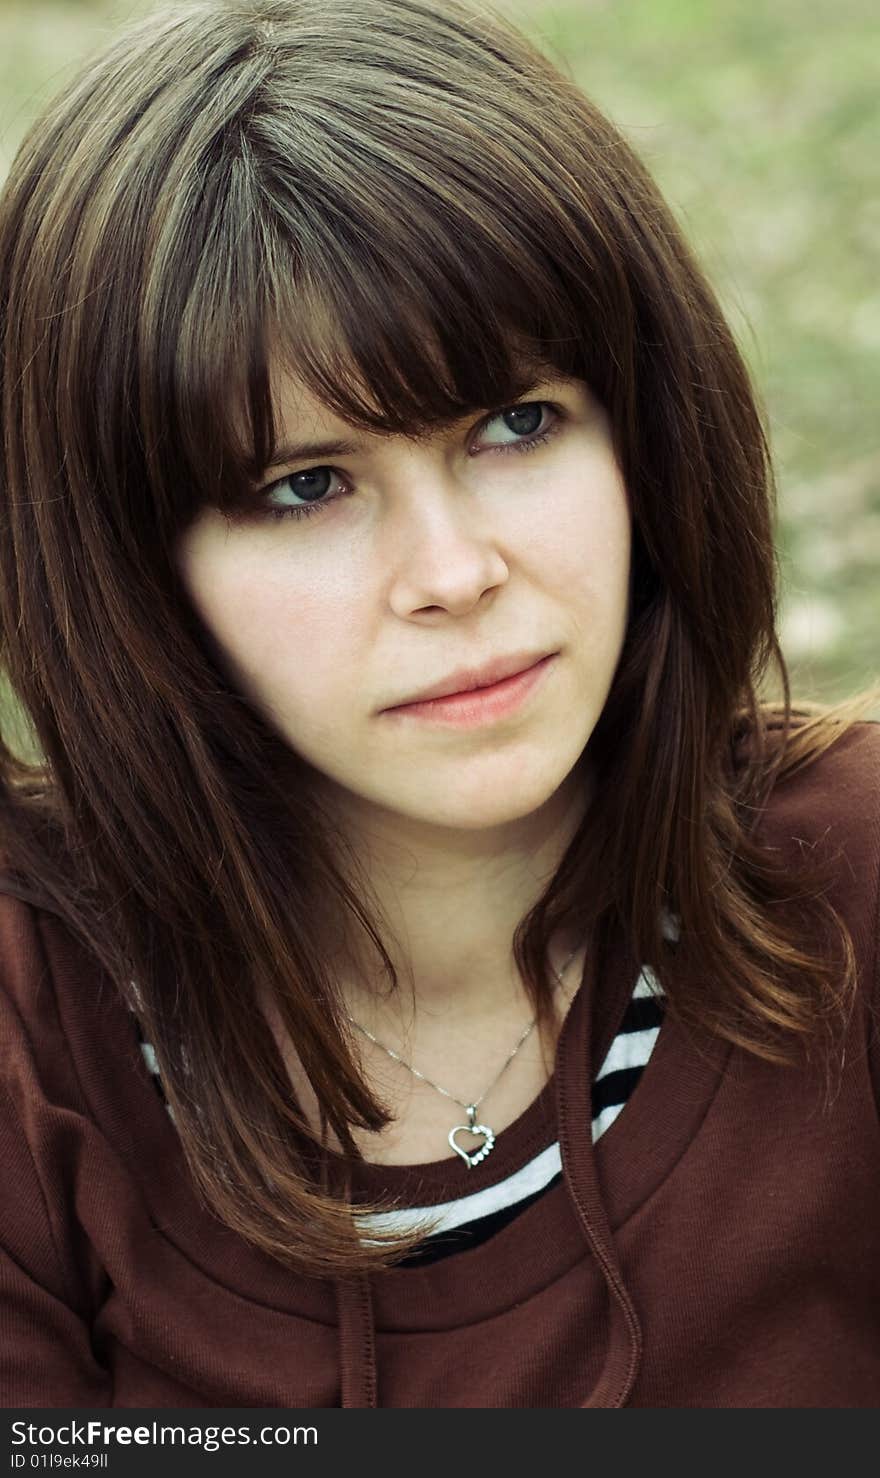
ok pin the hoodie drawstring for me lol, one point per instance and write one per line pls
(357, 1341)
(574, 1079)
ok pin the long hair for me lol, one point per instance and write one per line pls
(401, 198)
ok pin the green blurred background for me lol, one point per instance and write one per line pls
(760, 123)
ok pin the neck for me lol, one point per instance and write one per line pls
(449, 904)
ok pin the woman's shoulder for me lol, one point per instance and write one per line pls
(69, 1053)
(53, 995)
(827, 791)
(34, 1050)
(24, 977)
(40, 889)
(825, 802)
(828, 806)
(26, 902)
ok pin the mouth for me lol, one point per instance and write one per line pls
(479, 705)
(471, 679)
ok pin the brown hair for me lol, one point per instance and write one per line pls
(398, 195)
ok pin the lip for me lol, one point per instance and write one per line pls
(469, 679)
(475, 706)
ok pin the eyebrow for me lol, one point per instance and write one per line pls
(314, 451)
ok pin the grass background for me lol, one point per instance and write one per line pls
(760, 124)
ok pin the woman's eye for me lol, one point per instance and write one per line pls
(303, 494)
(310, 489)
(519, 421)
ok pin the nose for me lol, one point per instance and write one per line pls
(445, 555)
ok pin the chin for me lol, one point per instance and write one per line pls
(501, 805)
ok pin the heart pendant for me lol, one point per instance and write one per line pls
(472, 1157)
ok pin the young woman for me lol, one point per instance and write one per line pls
(431, 975)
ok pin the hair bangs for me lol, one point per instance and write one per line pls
(380, 349)
(390, 361)
(387, 322)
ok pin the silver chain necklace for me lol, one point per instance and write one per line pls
(471, 1158)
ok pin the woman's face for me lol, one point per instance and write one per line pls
(420, 558)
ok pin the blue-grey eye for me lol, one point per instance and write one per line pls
(311, 484)
(524, 419)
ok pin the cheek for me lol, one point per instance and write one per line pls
(286, 636)
(581, 535)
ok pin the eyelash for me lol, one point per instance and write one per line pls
(308, 510)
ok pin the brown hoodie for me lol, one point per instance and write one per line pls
(718, 1246)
